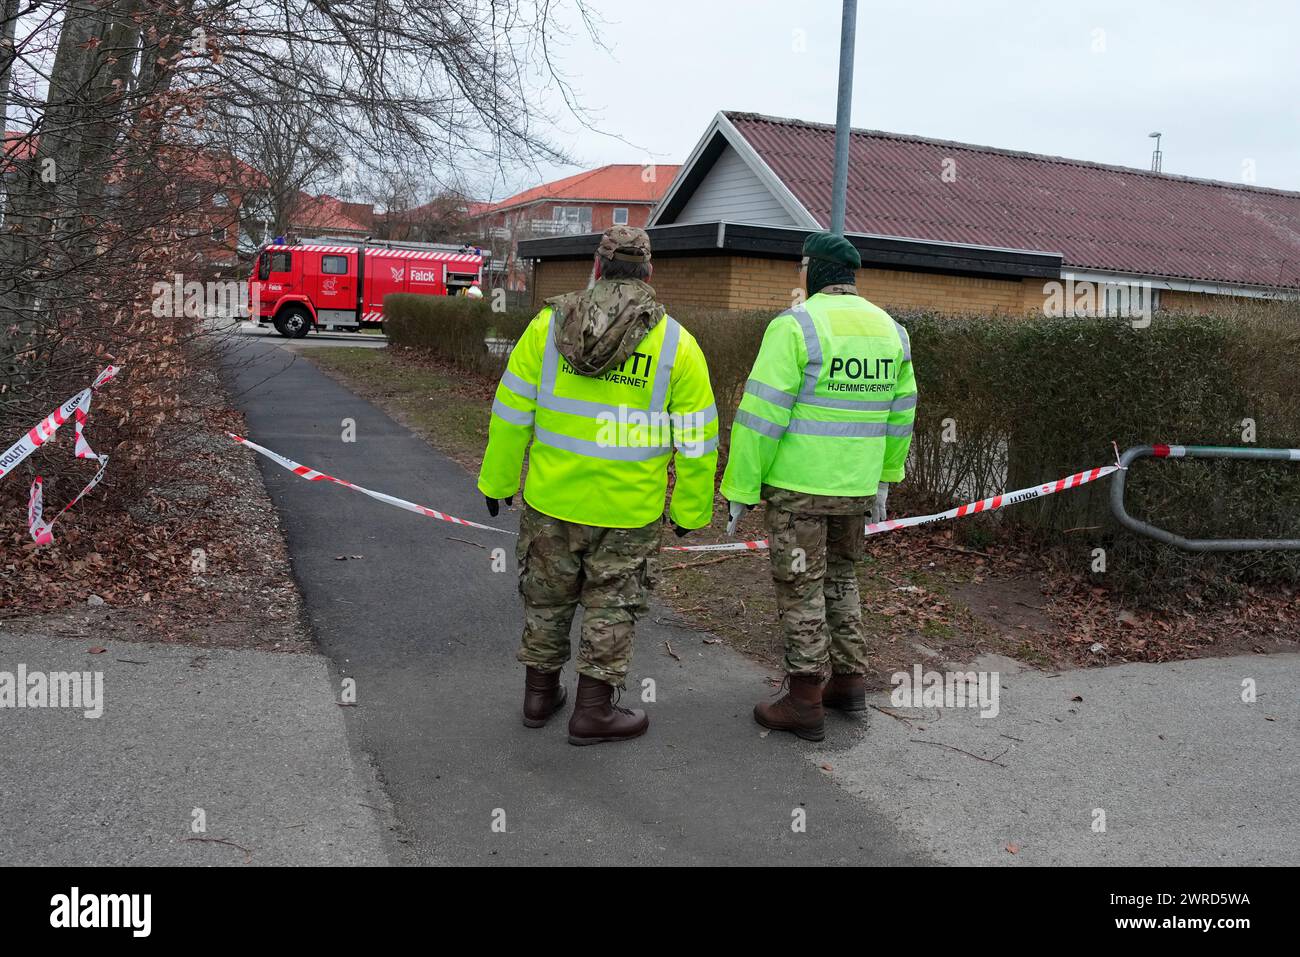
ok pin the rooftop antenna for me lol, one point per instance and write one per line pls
(1156, 156)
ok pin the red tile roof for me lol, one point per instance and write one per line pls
(326, 212)
(19, 145)
(215, 168)
(616, 183)
(1104, 218)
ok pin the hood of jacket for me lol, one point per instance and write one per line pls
(597, 328)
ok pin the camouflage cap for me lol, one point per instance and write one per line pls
(624, 243)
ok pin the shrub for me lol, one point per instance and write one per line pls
(1033, 399)
(730, 341)
(1012, 401)
(455, 328)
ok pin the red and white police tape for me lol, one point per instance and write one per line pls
(78, 408)
(985, 505)
(312, 475)
(961, 511)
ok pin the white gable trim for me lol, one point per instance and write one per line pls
(1207, 287)
(720, 125)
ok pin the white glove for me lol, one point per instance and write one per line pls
(878, 510)
(736, 510)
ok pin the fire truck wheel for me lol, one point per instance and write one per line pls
(293, 323)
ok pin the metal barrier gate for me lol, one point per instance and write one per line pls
(1198, 452)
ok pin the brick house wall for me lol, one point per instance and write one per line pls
(602, 214)
(750, 282)
(213, 230)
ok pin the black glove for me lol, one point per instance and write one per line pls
(679, 531)
(493, 506)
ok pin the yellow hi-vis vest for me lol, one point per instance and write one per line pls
(599, 446)
(829, 406)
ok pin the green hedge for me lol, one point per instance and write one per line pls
(1040, 398)
(455, 328)
(1009, 401)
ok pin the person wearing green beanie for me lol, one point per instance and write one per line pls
(824, 426)
(830, 260)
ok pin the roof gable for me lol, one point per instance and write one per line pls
(1102, 218)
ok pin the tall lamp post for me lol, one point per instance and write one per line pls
(844, 104)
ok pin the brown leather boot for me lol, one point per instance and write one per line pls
(597, 719)
(845, 693)
(543, 696)
(800, 711)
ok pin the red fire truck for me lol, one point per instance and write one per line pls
(336, 284)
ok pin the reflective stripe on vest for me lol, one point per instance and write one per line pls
(808, 396)
(907, 342)
(851, 430)
(510, 414)
(615, 453)
(769, 394)
(518, 386)
(547, 399)
(813, 370)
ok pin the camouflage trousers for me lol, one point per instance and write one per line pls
(608, 571)
(815, 542)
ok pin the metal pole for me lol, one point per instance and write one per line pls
(848, 27)
(1197, 452)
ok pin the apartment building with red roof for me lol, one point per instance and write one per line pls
(591, 201)
(214, 191)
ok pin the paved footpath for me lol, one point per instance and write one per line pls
(429, 632)
(1185, 771)
(1173, 762)
(254, 740)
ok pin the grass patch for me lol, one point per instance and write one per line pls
(918, 588)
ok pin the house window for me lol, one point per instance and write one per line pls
(334, 265)
(573, 219)
(218, 234)
(220, 199)
(620, 216)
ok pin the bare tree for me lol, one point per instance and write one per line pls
(119, 105)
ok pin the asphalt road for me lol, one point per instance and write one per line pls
(429, 631)
(312, 340)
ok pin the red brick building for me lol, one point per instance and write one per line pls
(622, 193)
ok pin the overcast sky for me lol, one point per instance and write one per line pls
(1086, 79)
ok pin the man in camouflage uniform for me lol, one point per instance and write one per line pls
(608, 355)
(823, 428)
(607, 570)
(816, 543)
